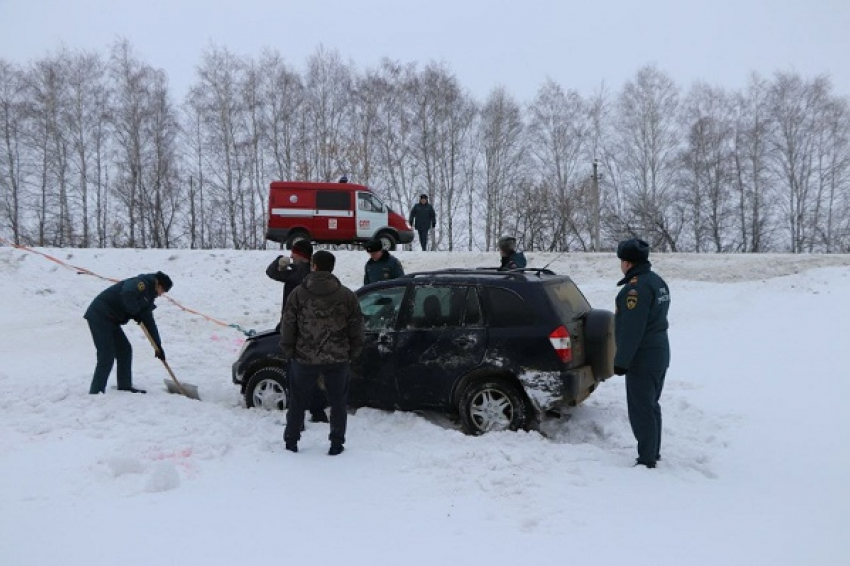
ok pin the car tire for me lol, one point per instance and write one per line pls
(494, 404)
(388, 241)
(267, 389)
(599, 337)
(295, 237)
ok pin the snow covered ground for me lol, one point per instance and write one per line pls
(756, 449)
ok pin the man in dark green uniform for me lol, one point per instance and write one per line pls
(643, 350)
(382, 266)
(129, 299)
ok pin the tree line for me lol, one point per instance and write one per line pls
(95, 151)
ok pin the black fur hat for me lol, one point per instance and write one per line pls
(633, 250)
(164, 280)
(374, 246)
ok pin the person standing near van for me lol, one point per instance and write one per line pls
(643, 349)
(422, 219)
(321, 335)
(291, 272)
(382, 266)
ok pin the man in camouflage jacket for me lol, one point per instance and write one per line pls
(321, 334)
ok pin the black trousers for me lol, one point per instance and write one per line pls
(302, 383)
(643, 391)
(423, 239)
(111, 344)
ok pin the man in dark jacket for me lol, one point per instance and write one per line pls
(423, 218)
(291, 272)
(321, 334)
(643, 350)
(381, 265)
(114, 307)
(511, 259)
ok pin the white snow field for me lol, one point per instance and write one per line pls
(756, 448)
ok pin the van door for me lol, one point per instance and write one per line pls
(371, 214)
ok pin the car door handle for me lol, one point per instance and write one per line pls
(462, 341)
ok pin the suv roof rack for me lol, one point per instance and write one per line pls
(491, 271)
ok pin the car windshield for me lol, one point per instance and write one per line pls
(380, 308)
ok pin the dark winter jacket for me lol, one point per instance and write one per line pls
(384, 268)
(129, 299)
(516, 260)
(322, 322)
(422, 216)
(640, 322)
(291, 276)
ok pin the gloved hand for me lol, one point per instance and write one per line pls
(282, 262)
(160, 354)
(620, 371)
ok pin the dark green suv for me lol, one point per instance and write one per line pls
(498, 349)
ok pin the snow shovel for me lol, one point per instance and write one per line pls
(173, 386)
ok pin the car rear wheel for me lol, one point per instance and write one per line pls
(295, 237)
(492, 405)
(267, 390)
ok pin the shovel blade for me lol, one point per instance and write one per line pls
(189, 390)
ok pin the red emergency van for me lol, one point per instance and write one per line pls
(332, 213)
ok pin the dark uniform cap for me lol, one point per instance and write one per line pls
(633, 250)
(374, 246)
(164, 280)
(303, 248)
(423, 197)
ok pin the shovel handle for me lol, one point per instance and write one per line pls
(168, 367)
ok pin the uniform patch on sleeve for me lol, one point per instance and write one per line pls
(631, 299)
(633, 280)
(140, 286)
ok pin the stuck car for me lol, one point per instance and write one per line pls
(496, 349)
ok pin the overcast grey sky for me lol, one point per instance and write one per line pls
(516, 43)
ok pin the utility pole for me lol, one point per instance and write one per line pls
(595, 244)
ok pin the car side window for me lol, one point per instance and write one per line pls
(437, 306)
(369, 203)
(506, 308)
(380, 308)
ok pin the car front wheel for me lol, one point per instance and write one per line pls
(267, 390)
(492, 405)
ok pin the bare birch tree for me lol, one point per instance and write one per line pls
(647, 149)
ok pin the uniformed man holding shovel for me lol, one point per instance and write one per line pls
(131, 299)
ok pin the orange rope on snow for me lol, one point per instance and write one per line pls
(84, 271)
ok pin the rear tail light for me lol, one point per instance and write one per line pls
(560, 339)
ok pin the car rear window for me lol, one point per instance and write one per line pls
(567, 299)
(506, 308)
